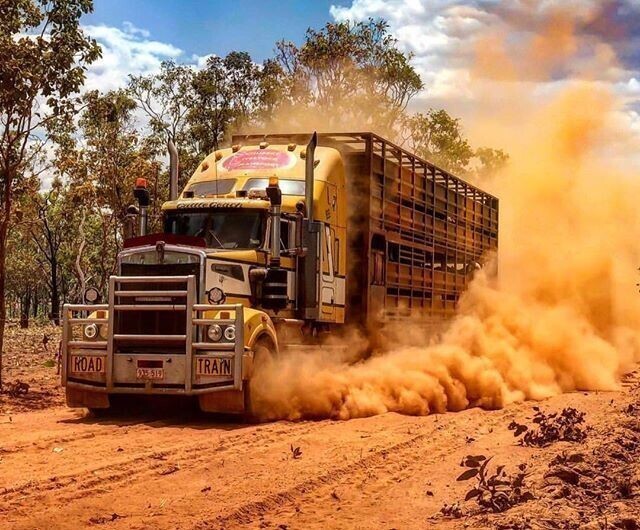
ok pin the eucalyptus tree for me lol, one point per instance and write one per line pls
(44, 55)
(347, 75)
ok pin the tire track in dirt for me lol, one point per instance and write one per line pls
(248, 512)
(102, 429)
(46, 443)
(102, 479)
(393, 463)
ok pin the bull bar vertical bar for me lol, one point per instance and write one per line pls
(65, 340)
(110, 332)
(188, 366)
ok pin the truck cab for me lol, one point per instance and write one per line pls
(252, 255)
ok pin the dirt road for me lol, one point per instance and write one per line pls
(63, 469)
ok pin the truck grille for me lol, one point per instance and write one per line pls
(140, 321)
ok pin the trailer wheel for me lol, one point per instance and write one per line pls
(263, 353)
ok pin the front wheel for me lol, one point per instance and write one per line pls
(263, 354)
(99, 413)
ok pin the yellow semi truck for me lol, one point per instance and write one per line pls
(277, 241)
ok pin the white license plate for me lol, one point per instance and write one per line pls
(87, 364)
(214, 366)
(150, 373)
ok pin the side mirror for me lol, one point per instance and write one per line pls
(298, 235)
(256, 278)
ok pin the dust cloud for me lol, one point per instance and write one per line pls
(563, 313)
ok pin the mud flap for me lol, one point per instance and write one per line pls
(225, 402)
(77, 398)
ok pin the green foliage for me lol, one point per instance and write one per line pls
(346, 76)
(495, 491)
(226, 96)
(166, 99)
(439, 138)
(490, 161)
(99, 171)
(44, 54)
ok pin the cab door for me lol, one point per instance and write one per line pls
(327, 276)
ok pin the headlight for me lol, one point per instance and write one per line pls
(214, 333)
(91, 295)
(216, 296)
(230, 333)
(91, 331)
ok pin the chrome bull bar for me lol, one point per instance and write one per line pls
(116, 376)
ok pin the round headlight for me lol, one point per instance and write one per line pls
(91, 295)
(215, 333)
(216, 296)
(91, 331)
(230, 333)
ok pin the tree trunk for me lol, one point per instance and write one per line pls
(4, 226)
(25, 308)
(36, 301)
(55, 293)
(82, 277)
(6, 177)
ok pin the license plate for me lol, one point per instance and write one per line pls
(150, 373)
(87, 364)
(214, 366)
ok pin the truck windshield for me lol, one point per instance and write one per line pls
(229, 229)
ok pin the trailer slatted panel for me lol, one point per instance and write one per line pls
(434, 226)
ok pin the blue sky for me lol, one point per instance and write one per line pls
(217, 26)
(442, 36)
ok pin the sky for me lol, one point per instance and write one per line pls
(201, 27)
(442, 35)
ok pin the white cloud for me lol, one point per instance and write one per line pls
(135, 30)
(536, 57)
(436, 32)
(126, 51)
(442, 35)
(200, 61)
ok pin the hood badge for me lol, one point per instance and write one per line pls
(160, 251)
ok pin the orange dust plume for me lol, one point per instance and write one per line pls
(563, 311)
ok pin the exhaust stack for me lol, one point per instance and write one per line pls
(308, 265)
(173, 170)
(308, 174)
(275, 199)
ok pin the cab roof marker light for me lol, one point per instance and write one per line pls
(264, 145)
(257, 193)
(235, 148)
(205, 166)
(218, 155)
(291, 147)
(303, 154)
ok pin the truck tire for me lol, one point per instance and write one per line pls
(99, 413)
(263, 353)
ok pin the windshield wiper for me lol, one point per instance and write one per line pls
(216, 238)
